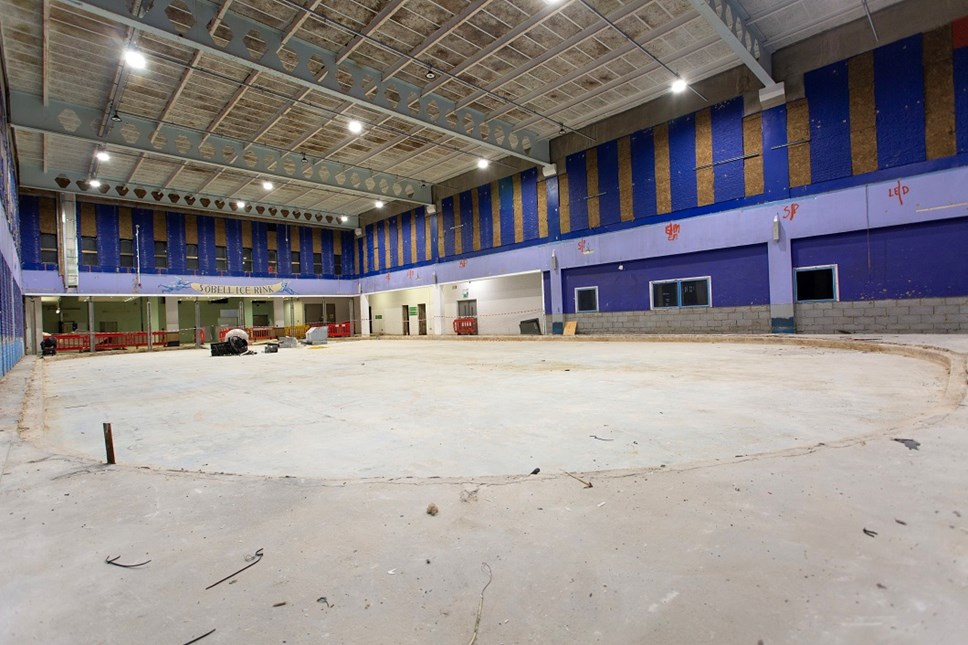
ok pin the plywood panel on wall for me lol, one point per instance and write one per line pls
(939, 93)
(191, 229)
(863, 124)
(161, 226)
(798, 136)
(663, 181)
(705, 176)
(753, 147)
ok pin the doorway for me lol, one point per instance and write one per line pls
(406, 320)
(467, 309)
(422, 319)
(330, 312)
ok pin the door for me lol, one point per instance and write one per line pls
(313, 313)
(422, 319)
(467, 309)
(406, 320)
(330, 312)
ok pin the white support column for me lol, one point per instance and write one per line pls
(557, 315)
(365, 325)
(35, 324)
(67, 236)
(437, 307)
(279, 312)
(171, 314)
(780, 259)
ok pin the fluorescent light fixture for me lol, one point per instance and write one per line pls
(94, 183)
(679, 85)
(135, 59)
(355, 126)
(483, 163)
(102, 155)
(379, 204)
(268, 185)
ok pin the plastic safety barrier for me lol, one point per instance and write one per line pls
(465, 326)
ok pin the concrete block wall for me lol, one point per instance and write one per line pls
(690, 320)
(908, 316)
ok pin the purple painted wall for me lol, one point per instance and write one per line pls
(740, 276)
(927, 260)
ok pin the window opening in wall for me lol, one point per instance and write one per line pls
(338, 264)
(161, 255)
(273, 257)
(816, 283)
(317, 264)
(191, 257)
(294, 263)
(586, 299)
(89, 251)
(687, 292)
(48, 248)
(221, 258)
(246, 259)
(126, 248)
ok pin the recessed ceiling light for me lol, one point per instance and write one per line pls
(379, 204)
(267, 185)
(240, 204)
(679, 85)
(116, 117)
(344, 219)
(102, 155)
(135, 59)
(304, 159)
(94, 183)
(483, 163)
(430, 75)
(355, 126)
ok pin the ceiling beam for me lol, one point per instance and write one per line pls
(365, 86)
(27, 112)
(741, 37)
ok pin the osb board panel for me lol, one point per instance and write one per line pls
(571, 328)
(939, 94)
(293, 238)
(564, 213)
(458, 228)
(663, 183)
(161, 226)
(247, 234)
(88, 220)
(191, 229)
(495, 215)
(48, 215)
(753, 145)
(625, 178)
(427, 238)
(337, 243)
(476, 219)
(591, 178)
(518, 208)
(542, 208)
(863, 120)
(386, 244)
(125, 226)
(705, 177)
(399, 238)
(798, 130)
(318, 240)
(220, 232)
(413, 236)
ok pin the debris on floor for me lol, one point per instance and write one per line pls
(469, 495)
(535, 471)
(870, 533)
(195, 640)
(594, 436)
(480, 608)
(910, 443)
(432, 509)
(115, 562)
(256, 558)
(587, 484)
(322, 600)
(280, 604)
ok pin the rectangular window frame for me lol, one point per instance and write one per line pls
(161, 254)
(678, 282)
(295, 266)
(836, 285)
(48, 253)
(88, 256)
(191, 257)
(317, 264)
(126, 257)
(272, 261)
(247, 259)
(337, 264)
(221, 258)
(586, 311)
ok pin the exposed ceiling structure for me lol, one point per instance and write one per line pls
(245, 106)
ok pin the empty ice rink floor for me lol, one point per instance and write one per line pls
(397, 408)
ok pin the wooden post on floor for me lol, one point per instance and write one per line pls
(109, 443)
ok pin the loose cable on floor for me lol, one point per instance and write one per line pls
(115, 562)
(480, 608)
(258, 558)
(195, 640)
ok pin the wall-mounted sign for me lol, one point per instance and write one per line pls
(413, 311)
(228, 289)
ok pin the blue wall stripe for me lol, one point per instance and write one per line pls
(434, 251)
(306, 250)
(260, 248)
(485, 214)
(175, 223)
(776, 162)
(206, 244)
(406, 232)
(447, 212)
(506, 197)
(329, 255)
(529, 203)
(394, 236)
(554, 222)
(421, 235)
(727, 131)
(144, 221)
(466, 222)
(609, 202)
(961, 98)
(233, 245)
(370, 241)
(682, 162)
(348, 258)
(108, 243)
(899, 96)
(30, 232)
(577, 191)
(283, 254)
(828, 97)
(642, 150)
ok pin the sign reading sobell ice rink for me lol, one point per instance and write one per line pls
(228, 289)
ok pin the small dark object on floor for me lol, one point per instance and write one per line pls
(901, 522)
(880, 586)
(48, 346)
(593, 436)
(535, 471)
(428, 560)
(195, 640)
(870, 533)
(258, 558)
(910, 443)
(279, 604)
(115, 562)
(271, 348)
(432, 509)
(322, 600)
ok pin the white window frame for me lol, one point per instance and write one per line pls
(586, 311)
(836, 273)
(678, 282)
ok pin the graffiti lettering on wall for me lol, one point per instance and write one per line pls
(790, 211)
(228, 289)
(899, 191)
(584, 247)
(672, 232)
